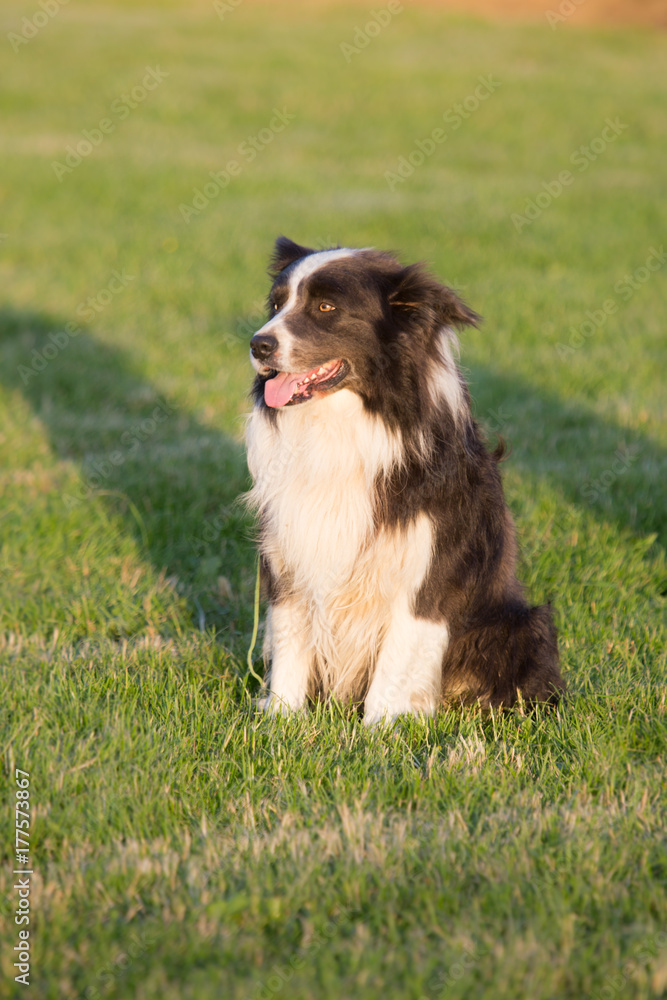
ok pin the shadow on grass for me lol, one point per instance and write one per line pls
(173, 480)
(612, 472)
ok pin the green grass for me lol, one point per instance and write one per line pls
(182, 846)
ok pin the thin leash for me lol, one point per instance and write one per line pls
(251, 669)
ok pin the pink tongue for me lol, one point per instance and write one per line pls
(279, 390)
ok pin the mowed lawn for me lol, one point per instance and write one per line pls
(183, 847)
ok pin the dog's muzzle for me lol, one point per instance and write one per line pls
(262, 346)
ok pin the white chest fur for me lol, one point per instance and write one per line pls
(314, 473)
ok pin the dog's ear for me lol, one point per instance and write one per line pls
(418, 295)
(285, 252)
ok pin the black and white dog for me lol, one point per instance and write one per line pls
(386, 547)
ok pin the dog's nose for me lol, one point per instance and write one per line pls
(263, 345)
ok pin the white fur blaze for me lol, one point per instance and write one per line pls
(277, 325)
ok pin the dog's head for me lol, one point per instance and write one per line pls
(348, 318)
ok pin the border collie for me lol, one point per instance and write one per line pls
(387, 550)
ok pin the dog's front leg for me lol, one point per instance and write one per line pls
(408, 673)
(291, 658)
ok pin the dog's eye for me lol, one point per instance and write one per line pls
(326, 307)
(275, 307)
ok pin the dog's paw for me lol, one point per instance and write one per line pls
(272, 704)
(386, 716)
(381, 718)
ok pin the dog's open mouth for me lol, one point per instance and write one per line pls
(288, 388)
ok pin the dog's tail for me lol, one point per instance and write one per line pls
(513, 653)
